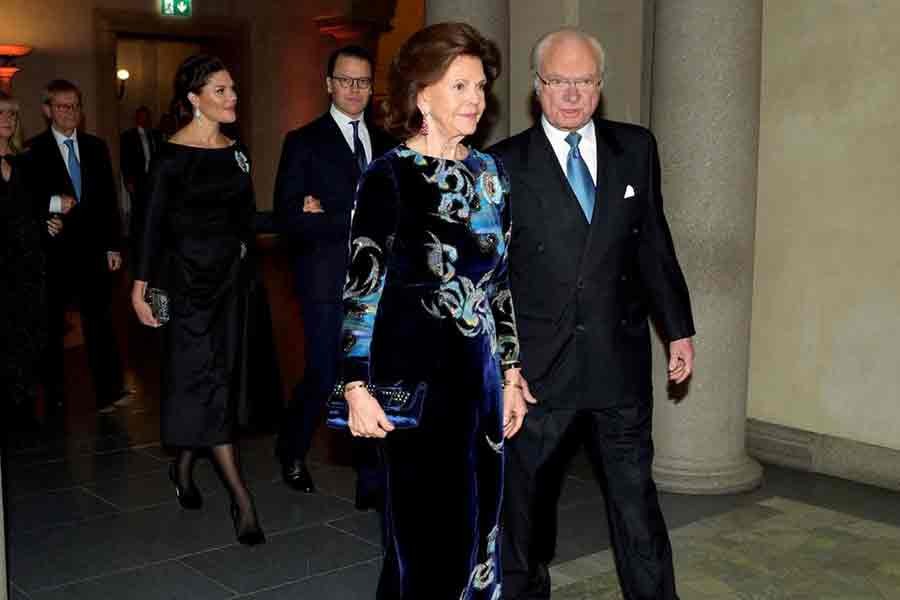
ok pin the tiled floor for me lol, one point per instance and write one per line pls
(91, 515)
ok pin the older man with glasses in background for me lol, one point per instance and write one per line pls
(76, 180)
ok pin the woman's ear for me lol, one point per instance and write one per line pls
(193, 98)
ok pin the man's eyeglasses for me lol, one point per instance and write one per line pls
(558, 85)
(362, 83)
(66, 107)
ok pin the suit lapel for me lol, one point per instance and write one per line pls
(337, 144)
(609, 183)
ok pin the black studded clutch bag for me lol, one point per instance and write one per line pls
(401, 402)
(159, 304)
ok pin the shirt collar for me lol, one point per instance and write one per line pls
(558, 136)
(343, 120)
(61, 139)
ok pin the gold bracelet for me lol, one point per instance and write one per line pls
(512, 384)
(352, 386)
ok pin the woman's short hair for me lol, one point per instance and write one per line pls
(422, 61)
(8, 102)
(191, 76)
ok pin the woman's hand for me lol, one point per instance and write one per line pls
(367, 418)
(516, 397)
(141, 307)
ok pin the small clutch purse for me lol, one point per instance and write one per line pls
(159, 304)
(402, 403)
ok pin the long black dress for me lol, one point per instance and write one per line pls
(23, 325)
(427, 299)
(198, 229)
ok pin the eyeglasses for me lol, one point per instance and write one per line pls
(66, 107)
(362, 83)
(11, 113)
(558, 85)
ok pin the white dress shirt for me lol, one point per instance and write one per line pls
(344, 124)
(587, 146)
(56, 201)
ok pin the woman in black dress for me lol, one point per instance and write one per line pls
(23, 324)
(198, 228)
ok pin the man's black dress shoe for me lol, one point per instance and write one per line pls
(297, 476)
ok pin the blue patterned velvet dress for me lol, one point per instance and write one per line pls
(427, 299)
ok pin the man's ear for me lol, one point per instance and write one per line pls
(45, 107)
(329, 85)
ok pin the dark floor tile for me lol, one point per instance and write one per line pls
(582, 530)
(16, 594)
(366, 525)
(150, 489)
(284, 558)
(282, 508)
(169, 580)
(334, 480)
(77, 470)
(43, 510)
(54, 557)
(353, 583)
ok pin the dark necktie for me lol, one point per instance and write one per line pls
(580, 177)
(359, 151)
(74, 168)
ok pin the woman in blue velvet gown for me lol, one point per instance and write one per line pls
(427, 299)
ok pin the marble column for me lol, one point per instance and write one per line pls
(705, 114)
(491, 18)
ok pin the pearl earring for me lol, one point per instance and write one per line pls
(197, 112)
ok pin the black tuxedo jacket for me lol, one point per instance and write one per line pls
(317, 161)
(582, 292)
(132, 152)
(91, 228)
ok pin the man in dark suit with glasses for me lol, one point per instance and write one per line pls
(320, 165)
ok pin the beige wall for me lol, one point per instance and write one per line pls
(826, 305)
(287, 52)
(622, 26)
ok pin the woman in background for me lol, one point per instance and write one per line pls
(23, 324)
(199, 227)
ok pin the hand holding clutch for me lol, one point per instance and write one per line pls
(366, 417)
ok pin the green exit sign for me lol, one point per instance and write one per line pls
(177, 8)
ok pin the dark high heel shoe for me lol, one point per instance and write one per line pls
(188, 498)
(251, 536)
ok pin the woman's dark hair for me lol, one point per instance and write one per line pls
(191, 76)
(422, 61)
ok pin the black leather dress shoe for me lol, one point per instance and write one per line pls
(296, 476)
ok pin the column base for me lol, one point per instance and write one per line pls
(685, 477)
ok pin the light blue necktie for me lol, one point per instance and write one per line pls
(580, 177)
(74, 168)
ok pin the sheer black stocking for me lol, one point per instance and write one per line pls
(226, 460)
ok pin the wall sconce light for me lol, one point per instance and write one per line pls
(122, 75)
(8, 53)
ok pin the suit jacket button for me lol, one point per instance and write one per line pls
(580, 284)
(624, 321)
(635, 230)
(579, 328)
(540, 247)
(624, 277)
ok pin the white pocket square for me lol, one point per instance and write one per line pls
(629, 191)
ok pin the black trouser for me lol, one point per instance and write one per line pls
(88, 283)
(619, 445)
(322, 322)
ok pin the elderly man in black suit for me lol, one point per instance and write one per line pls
(75, 170)
(320, 165)
(591, 257)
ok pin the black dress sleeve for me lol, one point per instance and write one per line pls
(159, 190)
